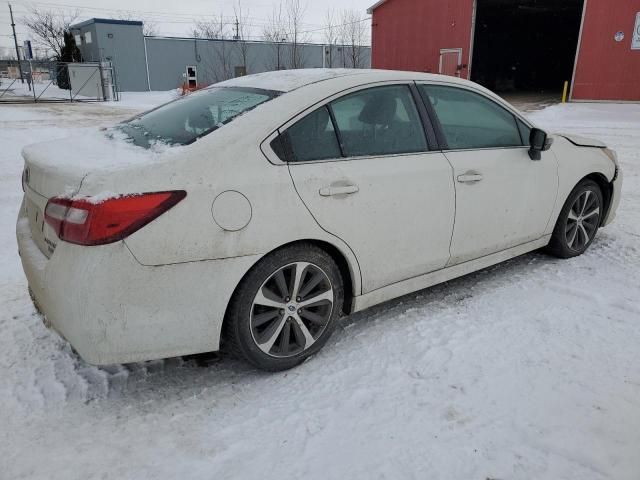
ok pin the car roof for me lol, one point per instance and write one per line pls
(288, 80)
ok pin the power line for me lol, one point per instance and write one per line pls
(338, 25)
(187, 16)
(172, 18)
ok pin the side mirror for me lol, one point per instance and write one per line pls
(539, 142)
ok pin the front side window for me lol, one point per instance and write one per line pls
(470, 120)
(525, 132)
(183, 121)
(379, 121)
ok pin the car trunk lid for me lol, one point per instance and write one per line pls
(58, 169)
(45, 176)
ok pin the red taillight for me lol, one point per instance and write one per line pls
(87, 222)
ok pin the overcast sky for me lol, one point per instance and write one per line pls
(173, 17)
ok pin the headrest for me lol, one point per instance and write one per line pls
(380, 109)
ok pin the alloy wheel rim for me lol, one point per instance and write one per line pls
(291, 309)
(583, 220)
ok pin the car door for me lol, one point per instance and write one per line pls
(503, 198)
(362, 166)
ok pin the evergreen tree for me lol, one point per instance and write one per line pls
(69, 53)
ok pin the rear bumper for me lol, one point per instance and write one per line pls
(112, 309)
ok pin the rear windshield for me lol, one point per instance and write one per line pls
(184, 120)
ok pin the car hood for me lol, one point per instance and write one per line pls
(583, 141)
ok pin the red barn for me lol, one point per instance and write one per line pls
(516, 45)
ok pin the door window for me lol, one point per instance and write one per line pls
(379, 121)
(525, 132)
(312, 138)
(470, 120)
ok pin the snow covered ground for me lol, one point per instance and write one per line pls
(527, 370)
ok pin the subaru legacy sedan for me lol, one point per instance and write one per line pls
(251, 215)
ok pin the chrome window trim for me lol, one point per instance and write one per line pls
(266, 149)
(268, 152)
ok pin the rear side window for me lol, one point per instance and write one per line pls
(372, 122)
(470, 120)
(184, 120)
(379, 121)
(312, 138)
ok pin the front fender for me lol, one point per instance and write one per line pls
(574, 164)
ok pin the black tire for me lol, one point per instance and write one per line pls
(564, 243)
(240, 332)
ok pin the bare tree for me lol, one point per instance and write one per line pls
(149, 28)
(295, 10)
(242, 34)
(49, 26)
(218, 66)
(353, 36)
(215, 28)
(330, 36)
(275, 32)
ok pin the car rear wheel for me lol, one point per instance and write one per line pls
(579, 221)
(285, 309)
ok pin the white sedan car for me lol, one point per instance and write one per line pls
(253, 214)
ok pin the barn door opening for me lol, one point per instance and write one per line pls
(526, 46)
(450, 61)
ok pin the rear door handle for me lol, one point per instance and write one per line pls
(470, 177)
(338, 190)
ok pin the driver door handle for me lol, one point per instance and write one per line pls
(470, 177)
(341, 190)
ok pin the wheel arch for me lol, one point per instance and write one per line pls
(346, 271)
(606, 187)
(349, 271)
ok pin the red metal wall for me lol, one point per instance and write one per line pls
(606, 69)
(408, 34)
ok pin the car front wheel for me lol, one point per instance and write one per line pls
(285, 308)
(579, 221)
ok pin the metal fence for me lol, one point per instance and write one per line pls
(59, 82)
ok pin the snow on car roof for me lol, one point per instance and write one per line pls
(288, 80)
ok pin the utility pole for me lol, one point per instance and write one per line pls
(237, 29)
(15, 41)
